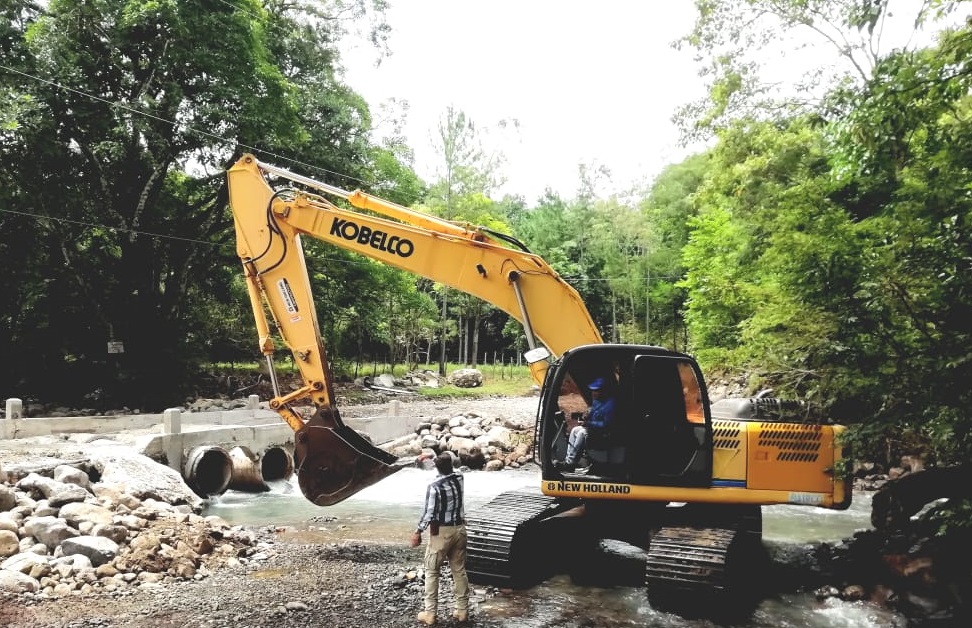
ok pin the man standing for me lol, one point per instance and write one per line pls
(445, 518)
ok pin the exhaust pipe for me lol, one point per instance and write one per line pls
(208, 470)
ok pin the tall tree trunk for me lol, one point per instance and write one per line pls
(442, 333)
(391, 338)
(614, 318)
(462, 339)
(475, 339)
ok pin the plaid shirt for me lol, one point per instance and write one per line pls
(443, 502)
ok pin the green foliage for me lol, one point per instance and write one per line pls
(951, 517)
(112, 99)
(832, 258)
(741, 43)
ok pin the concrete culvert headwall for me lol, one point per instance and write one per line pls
(247, 476)
(276, 463)
(208, 470)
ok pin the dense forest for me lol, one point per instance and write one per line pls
(821, 244)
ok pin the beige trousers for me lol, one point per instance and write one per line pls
(449, 543)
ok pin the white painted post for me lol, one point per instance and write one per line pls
(395, 407)
(253, 402)
(172, 439)
(15, 410)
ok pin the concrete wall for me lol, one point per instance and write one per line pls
(252, 427)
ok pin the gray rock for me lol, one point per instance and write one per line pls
(69, 475)
(57, 493)
(7, 522)
(23, 562)
(132, 473)
(16, 582)
(457, 444)
(50, 531)
(79, 512)
(98, 549)
(497, 436)
(44, 509)
(8, 499)
(9, 543)
(466, 378)
(117, 533)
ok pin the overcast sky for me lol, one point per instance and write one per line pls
(588, 82)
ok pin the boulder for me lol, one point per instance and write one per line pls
(50, 531)
(56, 493)
(16, 582)
(132, 473)
(70, 475)
(79, 512)
(466, 378)
(8, 499)
(98, 549)
(23, 562)
(9, 543)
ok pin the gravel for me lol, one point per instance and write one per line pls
(301, 581)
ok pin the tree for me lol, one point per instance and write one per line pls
(822, 45)
(901, 156)
(467, 176)
(126, 98)
(668, 208)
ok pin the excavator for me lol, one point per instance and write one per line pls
(679, 478)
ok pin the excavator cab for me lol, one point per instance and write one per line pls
(660, 432)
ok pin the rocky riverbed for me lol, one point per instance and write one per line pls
(91, 535)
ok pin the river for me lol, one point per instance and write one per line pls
(387, 511)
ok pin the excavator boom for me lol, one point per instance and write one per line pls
(332, 460)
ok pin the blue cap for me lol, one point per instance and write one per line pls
(597, 384)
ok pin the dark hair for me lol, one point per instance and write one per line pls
(443, 463)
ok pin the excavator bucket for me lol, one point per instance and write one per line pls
(334, 462)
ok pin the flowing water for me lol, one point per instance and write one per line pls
(387, 511)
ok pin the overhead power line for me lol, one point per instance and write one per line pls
(222, 140)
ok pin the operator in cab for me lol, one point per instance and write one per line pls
(600, 418)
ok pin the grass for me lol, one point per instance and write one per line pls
(506, 380)
(498, 381)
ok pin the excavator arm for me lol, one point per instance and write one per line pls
(333, 461)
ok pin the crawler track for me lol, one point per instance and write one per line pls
(716, 560)
(688, 559)
(504, 547)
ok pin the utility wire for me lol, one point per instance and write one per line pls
(191, 129)
(218, 138)
(119, 229)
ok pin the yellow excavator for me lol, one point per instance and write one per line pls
(680, 479)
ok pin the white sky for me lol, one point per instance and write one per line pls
(588, 82)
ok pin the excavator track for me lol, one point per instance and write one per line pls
(504, 547)
(688, 558)
(714, 561)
